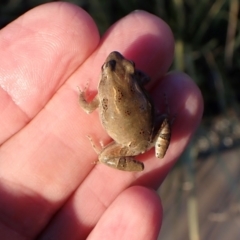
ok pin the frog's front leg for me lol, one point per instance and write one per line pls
(116, 156)
(88, 107)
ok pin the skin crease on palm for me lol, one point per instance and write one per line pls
(49, 187)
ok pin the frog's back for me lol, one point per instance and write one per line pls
(126, 113)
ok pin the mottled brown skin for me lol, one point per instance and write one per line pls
(127, 113)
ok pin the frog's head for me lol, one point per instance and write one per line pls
(117, 64)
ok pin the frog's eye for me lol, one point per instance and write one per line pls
(132, 62)
(130, 68)
(111, 64)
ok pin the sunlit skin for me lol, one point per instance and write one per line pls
(49, 187)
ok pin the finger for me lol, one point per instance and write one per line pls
(39, 51)
(150, 46)
(185, 104)
(135, 214)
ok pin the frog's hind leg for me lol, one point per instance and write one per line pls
(162, 139)
(162, 133)
(124, 163)
(116, 156)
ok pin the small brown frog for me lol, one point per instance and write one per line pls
(127, 113)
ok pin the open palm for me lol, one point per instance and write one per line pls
(49, 187)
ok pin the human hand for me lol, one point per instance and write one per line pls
(49, 187)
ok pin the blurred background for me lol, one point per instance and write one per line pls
(201, 195)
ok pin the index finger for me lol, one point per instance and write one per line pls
(38, 54)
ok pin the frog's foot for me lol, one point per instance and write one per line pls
(123, 163)
(166, 103)
(96, 148)
(82, 93)
(95, 162)
(84, 89)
